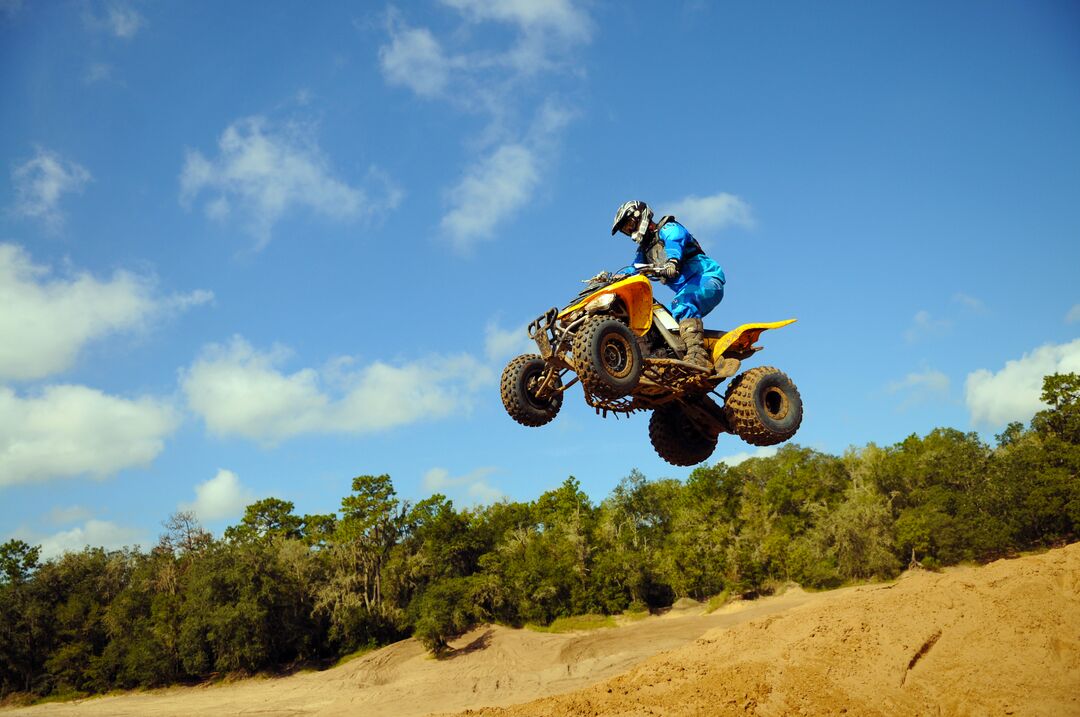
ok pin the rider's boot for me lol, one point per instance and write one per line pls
(692, 332)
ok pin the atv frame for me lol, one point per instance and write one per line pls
(625, 350)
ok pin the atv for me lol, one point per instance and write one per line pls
(624, 348)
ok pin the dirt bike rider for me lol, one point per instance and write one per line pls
(697, 280)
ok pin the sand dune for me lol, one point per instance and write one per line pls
(998, 639)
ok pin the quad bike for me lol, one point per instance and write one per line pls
(625, 350)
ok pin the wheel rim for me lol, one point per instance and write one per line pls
(775, 403)
(616, 356)
(532, 382)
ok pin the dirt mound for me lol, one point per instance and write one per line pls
(1001, 639)
(998, 639)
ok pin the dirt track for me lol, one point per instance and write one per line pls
(1000, 639)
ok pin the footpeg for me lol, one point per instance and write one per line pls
(727, 367)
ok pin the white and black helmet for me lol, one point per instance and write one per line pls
(637, 210)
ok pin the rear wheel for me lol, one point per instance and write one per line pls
(763, 407)
(520, 380)
(677, 439)
(607, 357)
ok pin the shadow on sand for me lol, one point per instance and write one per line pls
(481, 642)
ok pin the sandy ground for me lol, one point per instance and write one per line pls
(999, 639)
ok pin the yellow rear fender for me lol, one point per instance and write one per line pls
(741, 339)
(635, 292)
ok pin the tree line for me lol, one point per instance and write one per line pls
(280, 590)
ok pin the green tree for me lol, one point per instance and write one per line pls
(267, 519)
(352, 597)
(702, 531)
(18, 561)
(635, 522)
(244, 608)
(447, 609)
(1061, 391)
(853, 541)
(941, 491)
(24, 620)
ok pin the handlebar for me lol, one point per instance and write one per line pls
(652, 271)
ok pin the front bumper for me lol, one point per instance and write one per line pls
(542, 331)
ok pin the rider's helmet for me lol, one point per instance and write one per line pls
(632, 219)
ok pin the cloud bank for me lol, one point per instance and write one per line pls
(263, 171)
(65, 431)
(472, 488)
(498, 185)
(41, 181)
(222, 496)
(743, 456)
(241, 391)
(493, 190)
(47, 320)
(716, 211)
(921, 387)
(94, 533)
(1012, 394)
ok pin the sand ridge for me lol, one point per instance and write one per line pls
(1000, 639)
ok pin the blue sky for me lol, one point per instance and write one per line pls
(255, 249)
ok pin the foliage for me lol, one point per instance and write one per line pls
(577, 623)
(279, 589)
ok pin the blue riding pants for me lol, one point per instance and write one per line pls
(697, 298)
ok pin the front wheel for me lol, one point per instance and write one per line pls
(763, 407)
(678, 439)
(607, 357)
(521, 379)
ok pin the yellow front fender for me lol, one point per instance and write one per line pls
(742, 338)
(636, 294)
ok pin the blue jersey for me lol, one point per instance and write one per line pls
(680, 245)
(699, 287)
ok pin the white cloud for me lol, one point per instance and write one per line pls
(1073, 315)
(547, 29)
(923, 325)
(928, 385)
(40, 182)
(743, 456)
(560, 16)
(499, 184)
(472, 487)
(415, 59)
(123, 21)
(1012, 394)
(182, 302)
(93, 533)
(500, 343)
(223, 496)
(238, 390)
(716, 211)
(970, 302)
(69, 514)
(930, 379)
(492, 190)
(266, 171)
(98, 72)
(46, 321)
(66, 431)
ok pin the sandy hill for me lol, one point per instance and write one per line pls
(998, 639)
